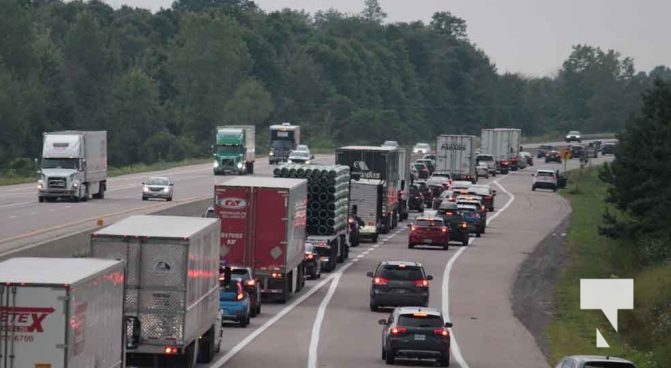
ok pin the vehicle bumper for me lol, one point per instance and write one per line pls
(55, 193)
(419, 349)
(233, 312)
(545, 185)
(227, 171)
(163, 195)
(382, 298)
(459, 235)
(420, 240)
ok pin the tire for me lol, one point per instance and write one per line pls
(169, 199)
(464, 242)
(533, 189)
(373, 307)
(445, 361)
(411, 246)
(206, 346)
(245, 321)
(375, 239)
(40, 199)
(384, 354)
(554, 189)
(190, 355)
(477, 235)
(258, 309)
(389, 359)
(144, 198)
(446, 246)
(252, 312)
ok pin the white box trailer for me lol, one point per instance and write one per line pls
(367, 196)
(503, 144)
(172, 285)
(61, 313)
(455, 154)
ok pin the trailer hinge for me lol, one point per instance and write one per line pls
(283, 242)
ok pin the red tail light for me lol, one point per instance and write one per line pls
(412, 228)
(441, 332)
(444, 229)
(351, 221)
(170, 350)
(398, 330)
(422, 283)
(240, 296)
(463, 224)
(309, 256)
(482, 207)
(250, 282)
(380, 281)
(477, 216)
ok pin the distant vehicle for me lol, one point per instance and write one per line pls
(489, 160)
(422, 170)
(429, 231)
(312, 261)
(299, 157)
(234, 149)
(543, 149)
(456, 223)
(392, 276)
(393, 144)
(504, 145)
(429, 164)
(461, 184)
(483, 170)
(421, 148)
(577, 151)
(527, 156)
(157, 187)
(553, 156)
(456, 155)
(432, 157)
(608, 149)
(592, 361)
(573, 136)
(415, 199)
(545, 179)
(444, 196)
(440, 177)
(284, 138)
(426, 192)
(486, 192)
(251, 284)
(209, 213)
(471, 200)
(472, 217)
(412, 332)
(234, 302)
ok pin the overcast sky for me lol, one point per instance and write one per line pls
(532, 37)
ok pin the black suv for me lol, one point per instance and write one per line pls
(543, 149)
(399, 283)
(415, 199)
(455, 222)
(413, 332)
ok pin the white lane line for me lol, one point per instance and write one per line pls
(454, 346)
(16, 204)
(317, 325)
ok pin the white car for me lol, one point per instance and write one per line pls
(393, 144)
(299, 157)
(483, 170)
(545, 179)
(421, 148)
(489, 160)
(157, 187)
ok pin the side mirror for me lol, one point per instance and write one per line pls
(382, 322)
(369, 274)
(429, 277)
(448, 324)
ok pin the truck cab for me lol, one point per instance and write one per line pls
(284, 138)
(234, 150)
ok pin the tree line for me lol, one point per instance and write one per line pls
(159, 83)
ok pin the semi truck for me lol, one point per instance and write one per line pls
(403, 183)
(73, 166)
(504, 145)
(61, 313)
(283, 139)
(377, 163)
(367, 195)
(234, 150)
(171, 297)
(455, 154)
(263, 227)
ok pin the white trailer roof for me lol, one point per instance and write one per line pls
(263, 182)
(367, 148)
(157, 226)
(34, 270)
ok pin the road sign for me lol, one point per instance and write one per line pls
(566, 154)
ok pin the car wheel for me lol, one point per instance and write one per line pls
(465, 241)
(252, 312)
(411, 246)
(389, 359)
(144, 198)
(169, 199)
(554, 189)
(244, 321)
(477, 235)
(533, 189)
(446, 246)
(375, 239)
(445, 361)
(373, 307)
(384, 354)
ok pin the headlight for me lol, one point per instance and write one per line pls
(239, 165)
(75, 184)
(216, 164)
(145, 188)
(166, 189)
(289, 161)
(307, 162)
(271, 153)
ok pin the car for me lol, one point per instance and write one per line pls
(424, 189)
(399, 283)
(234, 302)
(461, 184)
(543, 149)
(518, 163)
(429, 231)
(421, 148)
(456, 223)
(577, 151)
(436, 191)
(157, 187)
(553, 156)
(608, 149)
(431, 157)
(210, 213)
(440, 178)
(545, 179)
(416, 332)
(429, 164)
(486, 192)
(489, 160)
(475, 200)
(573, 136)
(422, 170)
(390, 144)
(299, 157)
(483, 170)
(472, 217)
(251, 285)
(355, 224)
(312, 263)
(527, 156)
(415, 199)
(593, 361)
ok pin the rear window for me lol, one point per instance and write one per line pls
(395, 272)
(484, 158)
(608, 365)
(542, 173)
(545, 147)
(409, 320)
(428, 223)
(239, 271)
(231, 287)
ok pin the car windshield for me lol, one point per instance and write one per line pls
(59, 163)
(422, 145)
(484, 158)
(428, 223)
(545, 173)
(157, 181)
(403, 273)
(412, 320)
(608, 365)
(239, 272)
(300, 154)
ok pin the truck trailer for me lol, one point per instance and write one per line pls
(171, 301)
(234, 149)
(455, 154)
(283, 139)
(376, 163)
(504, 145)
(61, 313)
(367, 195)
(73, 166)
(263, 227)
(403, 183)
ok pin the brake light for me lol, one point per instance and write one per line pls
(351, 221)
(422, 283)
(482, 207)
(380, 281)
(170, 350)
(413, 228)
(463, 224)
(441, 332)
(476, 215)
(250, 282)
(444, 229)
(398, 330)
(276, 275)
(240, 296)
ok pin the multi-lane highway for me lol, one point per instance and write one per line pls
(329, 323)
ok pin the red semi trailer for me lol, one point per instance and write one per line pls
(263, 227)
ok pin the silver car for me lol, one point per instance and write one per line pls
(157, 187)
(591, 361)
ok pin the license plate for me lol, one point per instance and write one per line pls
(427, 241)
(420, 337)
(401, 291)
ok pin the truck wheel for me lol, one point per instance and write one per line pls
(190, 356)
(375, 239)
(411, 246)
(465, 241)
(40, 199)
(206, 346)
(250, 168)
(477, 235)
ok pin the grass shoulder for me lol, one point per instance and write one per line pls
(573, 331)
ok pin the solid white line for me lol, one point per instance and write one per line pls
(317, 325)
(456, 351)
(16, 204)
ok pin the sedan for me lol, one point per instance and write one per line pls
(421, 148)
(399, 283)
(416, 332)
(157, 187)
(300, 157)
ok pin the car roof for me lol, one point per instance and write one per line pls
(429, 218)
(398, 263)
(410, 310)
(467, 206)
(447, 205)
(159, 177)
(598, 358)
(421, 144)
(546, 171)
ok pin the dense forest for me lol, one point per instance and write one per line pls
(159, 83)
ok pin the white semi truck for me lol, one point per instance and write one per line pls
(504, 145)
(172, 286)
(74, 166)
(455, 154)
(61, 313)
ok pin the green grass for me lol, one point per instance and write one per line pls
(573, 331)
(115, 171)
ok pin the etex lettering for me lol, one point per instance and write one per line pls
(23, 319)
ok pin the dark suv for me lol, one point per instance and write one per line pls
(415, 199)
(456, 223)
(399, 283)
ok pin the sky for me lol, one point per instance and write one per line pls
(531, 37)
